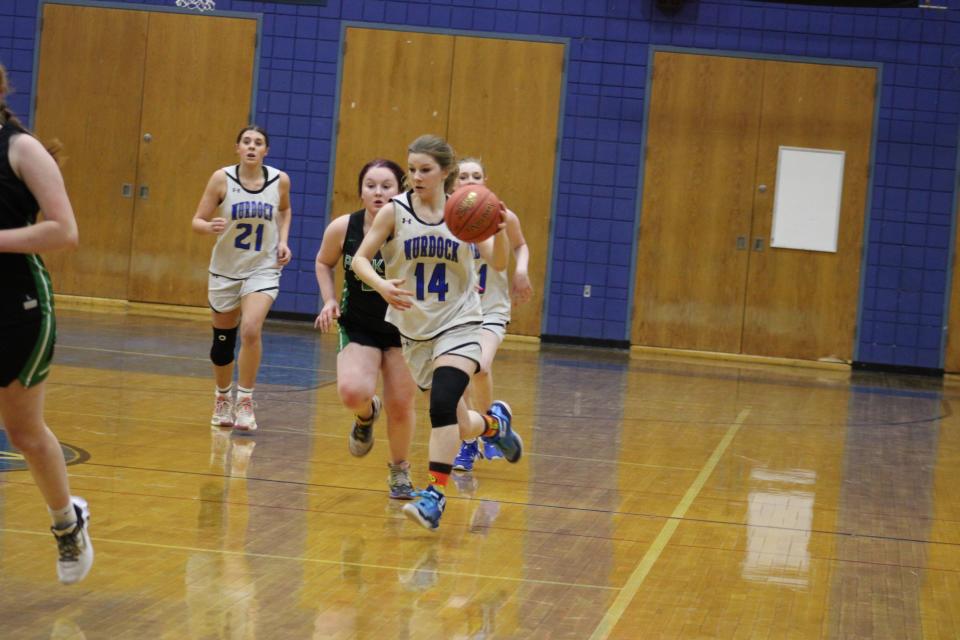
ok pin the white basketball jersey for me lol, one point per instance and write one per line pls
(249, 243)
(494, 289)
(438, 267)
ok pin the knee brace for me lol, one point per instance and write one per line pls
(224, 343)
(449, 383)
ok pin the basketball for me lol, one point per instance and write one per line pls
(472, 213)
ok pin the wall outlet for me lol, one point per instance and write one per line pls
(586, 291)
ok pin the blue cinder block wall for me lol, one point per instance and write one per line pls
(911, 221)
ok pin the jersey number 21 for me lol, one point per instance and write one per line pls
(246, 229)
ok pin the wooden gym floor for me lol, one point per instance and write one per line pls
(658, 498)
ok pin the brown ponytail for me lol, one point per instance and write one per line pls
(7, 116)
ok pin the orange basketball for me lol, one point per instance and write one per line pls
(472, 213)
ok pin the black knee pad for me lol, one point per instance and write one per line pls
(449, 383)
(224, 343)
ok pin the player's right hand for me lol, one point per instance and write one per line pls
(218, 225)
(329, 313)
(395, 296)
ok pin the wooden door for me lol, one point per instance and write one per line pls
(803, 304)
(952, 356)
(504, 105)
(697, 196)
(88, 96)
(395, 86)
(951, 361)
(193, 107)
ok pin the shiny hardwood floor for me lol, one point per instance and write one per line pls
(658, 498)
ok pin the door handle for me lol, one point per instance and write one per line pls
(741, 243)
(126, 190)
(144, 192)
(758, 244)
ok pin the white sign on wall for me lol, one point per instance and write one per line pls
(806, 208)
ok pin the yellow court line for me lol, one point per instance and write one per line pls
(629, 590)
(271, 556)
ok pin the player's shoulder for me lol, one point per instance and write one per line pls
(218, 180)
(221, 174)
(22, 140)
(339, 224)
(388, 209)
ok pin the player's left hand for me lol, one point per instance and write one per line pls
(283, 254)
(503, 217)
(522, 290)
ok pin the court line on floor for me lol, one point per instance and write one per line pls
(633, 583)
(271, 556)
(171, 356)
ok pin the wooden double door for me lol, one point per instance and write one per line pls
(147, 105)
(707, 278)
(490, 98)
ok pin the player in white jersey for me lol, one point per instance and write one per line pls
(247, 206)
(437, 313)
(443, 270)
(495, 301)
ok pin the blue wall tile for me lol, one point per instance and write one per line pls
(914, 171)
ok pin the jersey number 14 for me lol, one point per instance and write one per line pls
(437, 284)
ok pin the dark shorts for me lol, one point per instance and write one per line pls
(375, 339)
(26, 350)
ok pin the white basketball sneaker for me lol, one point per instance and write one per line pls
(244, 420)
(222, 412)
(73, 542)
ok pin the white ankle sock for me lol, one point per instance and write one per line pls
(63, 518)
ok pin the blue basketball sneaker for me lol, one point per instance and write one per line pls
(426, 511)
(490, 452)
(505, 439)
(469, 452)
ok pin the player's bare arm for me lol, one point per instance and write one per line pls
(521, 289)
(284, 215)
(331, 249)
(495, 250)
(213, 194)
(39, 171)
(380, 230)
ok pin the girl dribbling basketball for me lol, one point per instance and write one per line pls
(430, 286)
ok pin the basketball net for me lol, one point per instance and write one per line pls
(197, 5)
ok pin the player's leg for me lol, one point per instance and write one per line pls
(22, 412)
(481, 397)
(254, 307)
(358, 367)
(399, 394)
(481, 386)
(225, 328)
(450, 376)
(224, 297)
